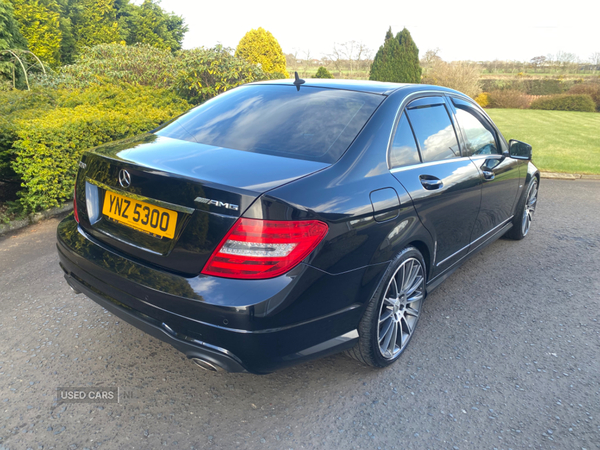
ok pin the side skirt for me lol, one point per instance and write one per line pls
(432, 284)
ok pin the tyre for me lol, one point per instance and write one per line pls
(524, 212)
(391, 317)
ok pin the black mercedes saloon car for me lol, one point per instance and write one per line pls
(286, 220)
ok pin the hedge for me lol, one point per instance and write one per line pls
(49, 147)
(536, 86)
(508, 98)
(592, 89)
(580, 102)
(14, 106)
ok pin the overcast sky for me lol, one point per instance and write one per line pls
(461, 29)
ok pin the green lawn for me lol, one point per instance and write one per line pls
(563, 141)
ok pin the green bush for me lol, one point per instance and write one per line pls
(322, 72)
(139, 64)
(196, 75)
(17, 105)
(591, 89)
(508, 98)
(565, 102)
(48, 147)
(205, 73)
(260, 47)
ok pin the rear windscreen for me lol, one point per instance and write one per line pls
(311, 123)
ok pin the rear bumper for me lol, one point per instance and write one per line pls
(191, 347)
(256, 326)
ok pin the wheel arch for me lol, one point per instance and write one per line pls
(424, 249)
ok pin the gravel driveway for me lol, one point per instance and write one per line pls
(507, 355)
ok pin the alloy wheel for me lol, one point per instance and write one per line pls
(529, 208)
(400, 308)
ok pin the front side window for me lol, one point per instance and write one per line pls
(311, 123)
(435, 133)
(404, 148)
(480, 140)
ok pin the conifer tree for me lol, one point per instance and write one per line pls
(39, 23)
(410, 68)
(397, 60)
(97, 24)
(10, 38)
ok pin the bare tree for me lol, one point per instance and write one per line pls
(566, 60)
(364, 55)
(430, 57)
(337, 57)
(351, 55)
(538, 62)
(462, 76)
(595, 60)
(292, 60)
(307, 62)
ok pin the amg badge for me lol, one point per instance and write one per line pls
(208, 201)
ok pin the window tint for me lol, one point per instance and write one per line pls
(404, 148)
(310, 123)
(435, 133)
(479, 139)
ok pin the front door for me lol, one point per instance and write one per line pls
(499, 173)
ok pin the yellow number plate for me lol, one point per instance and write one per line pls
(140, 215)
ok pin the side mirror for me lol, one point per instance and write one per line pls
(519, 150)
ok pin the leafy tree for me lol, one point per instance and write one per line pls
(10, 38)
(150, 24)
(96, 23)
(322, 72)
(39, 22)
(68, 44)
(260, 47)
(397, 60)
(10, 35)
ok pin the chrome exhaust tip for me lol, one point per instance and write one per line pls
(75, 290)
(203, 364)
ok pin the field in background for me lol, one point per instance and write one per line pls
(309, 72)
(563, 141)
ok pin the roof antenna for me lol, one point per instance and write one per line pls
(298, 81)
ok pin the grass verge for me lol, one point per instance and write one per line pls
(563, 141)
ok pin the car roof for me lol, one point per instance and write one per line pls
(371, 87)
(368, 86)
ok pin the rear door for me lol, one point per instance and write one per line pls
(499, 173)
(445, 187)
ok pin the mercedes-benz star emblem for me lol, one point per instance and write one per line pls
(124, 178)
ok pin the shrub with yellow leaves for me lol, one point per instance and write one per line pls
(260, 47)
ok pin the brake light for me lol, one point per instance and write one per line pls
(258, 249)
(75, 213)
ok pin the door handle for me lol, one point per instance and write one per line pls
(488, 175)
(430, 183)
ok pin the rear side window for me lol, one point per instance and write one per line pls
(480, 140)
(435, 133)
(310, 123)
(404, 148)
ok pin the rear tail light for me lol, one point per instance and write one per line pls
(75, 213)
(258, 249)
